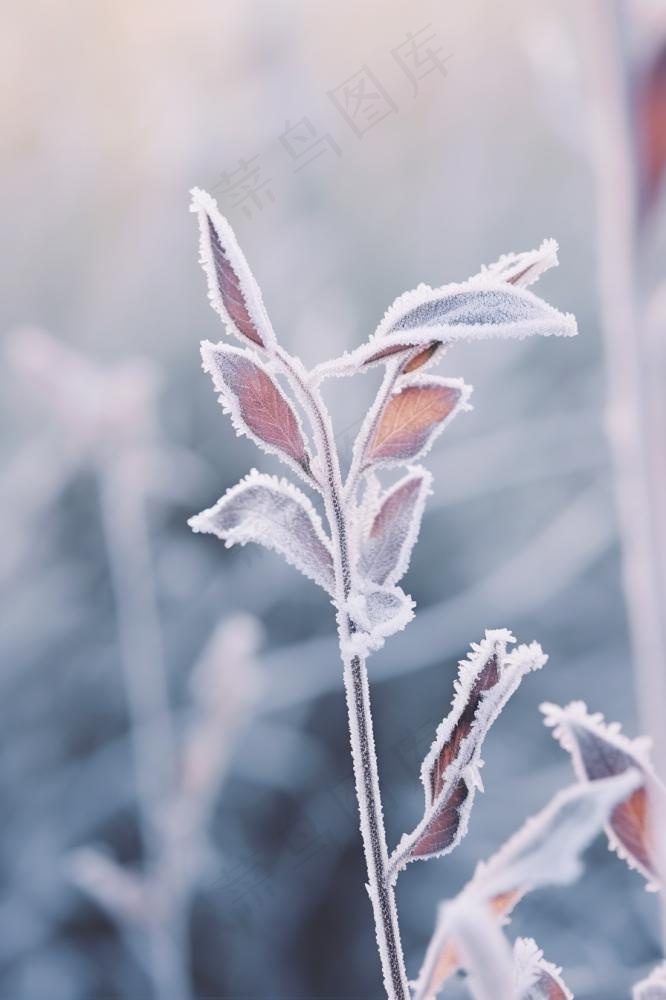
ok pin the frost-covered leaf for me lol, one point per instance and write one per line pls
(547, 848)
(256, 403)
(599, 750)
(545, 851)
(482, 945)
(377, 612)
(534, 977)
(450, 771)
(524, 269)
(417, 411)
(275, 514)
(232, 289)
(650, 96)
(443, 956)
(387, 546)
(494, 303)
(652, 988)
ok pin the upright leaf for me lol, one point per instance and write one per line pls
(257, 405)
(652, 988)
(450, 771)
(534, 977)
(545, 851)
(524, 269)
(233, 292)
(600, 751)
(418, 410)
(275, 514)
(387, 546)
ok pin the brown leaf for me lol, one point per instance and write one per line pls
(600, 751)
(386, 550)
(256, 403)
(651, 129)
(233, 291)
(422, 358)
(534, 977)
(412, 418)
(449, 772)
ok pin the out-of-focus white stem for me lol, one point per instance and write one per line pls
(635, 440)
(123, 516)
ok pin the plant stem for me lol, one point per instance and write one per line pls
(635, 442)
(364, 757)
(123, 516)
(366, 777)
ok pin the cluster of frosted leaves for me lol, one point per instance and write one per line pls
(546, 850)
(534, 977)
(652, 988)
(450, 773)
(400, 427)
(600, 750)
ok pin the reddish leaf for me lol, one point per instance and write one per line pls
(257, 405)
(450, 772)
(232, 289)
(651, 129)
(534, 977)
(599, 751)
(422, 358)
(413, 417)
(386, 550)
(273, 513)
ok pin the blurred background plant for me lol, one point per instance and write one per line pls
(114, 113)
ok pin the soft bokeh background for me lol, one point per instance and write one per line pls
(112, 438)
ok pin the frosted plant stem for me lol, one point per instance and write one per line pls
(151, 733)
(366, 778)
(364, 757)
(629, 426)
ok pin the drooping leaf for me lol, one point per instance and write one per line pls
(418, 410)
(377, 612)
(256, 403)
(547, 848)
(650, 97)
(545, 851)
(450, 771)
(493, 303)
(534, 977)
(652, 988)
(275, 514)
(598, 751)
(233, 292)
(387, 547)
